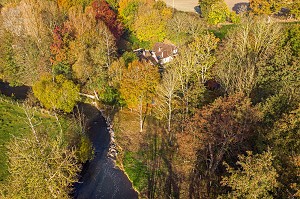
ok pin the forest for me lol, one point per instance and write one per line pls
(218, 118)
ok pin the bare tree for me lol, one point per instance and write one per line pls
(244, 52)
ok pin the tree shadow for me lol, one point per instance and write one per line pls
(18, 92)
(241, 7)
(197, 9)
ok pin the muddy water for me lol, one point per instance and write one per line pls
(101, 178)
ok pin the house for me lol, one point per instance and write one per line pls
(162, 53)
(165, 52)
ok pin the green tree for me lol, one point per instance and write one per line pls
(127, 11)
(40, 167)
(150, 25)
(56, 93)
(215, 11)
(9, 69)
(266, 6)
(284, 139)
(218, 13)
(255, 178)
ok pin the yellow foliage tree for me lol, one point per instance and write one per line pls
(138, 87)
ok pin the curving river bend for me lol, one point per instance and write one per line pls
(101, 178)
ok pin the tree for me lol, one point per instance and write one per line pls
(266, 6)
(9, 69)
(218, 128)
(150, 25)
(108, 16)
(65, 5)
(166, 92)
(56, 93)
(294, 8)
(40, 169)
(127, 11)
(255, 178)
(284, 140)
(202, 49)
(215, 11)
(218, 13)
(92, 51)
(138, 87)
(30, 22)
(244, 53)
(183, 27)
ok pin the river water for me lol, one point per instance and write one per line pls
(101, 178)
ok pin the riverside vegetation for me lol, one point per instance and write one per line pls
(221, 120)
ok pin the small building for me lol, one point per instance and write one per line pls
(165, 52)
(162, 53)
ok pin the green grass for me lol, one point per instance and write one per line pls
(13, 122)
(222, 31)
(136, 170)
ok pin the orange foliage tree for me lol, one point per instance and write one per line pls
(138, 87)
(104, 12)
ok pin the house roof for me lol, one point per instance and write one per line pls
(163, 50)
(146, 55)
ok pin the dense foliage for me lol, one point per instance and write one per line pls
(221, 119)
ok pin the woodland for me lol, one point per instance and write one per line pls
(221, 120)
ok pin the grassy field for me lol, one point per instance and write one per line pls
(13, 122)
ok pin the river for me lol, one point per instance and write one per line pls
(100, 178)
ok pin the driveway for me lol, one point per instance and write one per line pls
(189, 5)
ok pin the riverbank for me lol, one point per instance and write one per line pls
(102, 178)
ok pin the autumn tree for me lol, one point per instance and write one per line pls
(60, 47)
(244, 52)
(284, 140)
(166, 100)
(217, 129)
(108, 16)
(56, 93)
(265, 6)
(183, 27)
(255, 177)
(41, 164)
(138, 87)
(150, 24)
(30, 23)
(214, 11)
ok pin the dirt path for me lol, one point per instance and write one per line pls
(190, 5)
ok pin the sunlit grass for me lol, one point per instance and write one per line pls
(13, 122)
